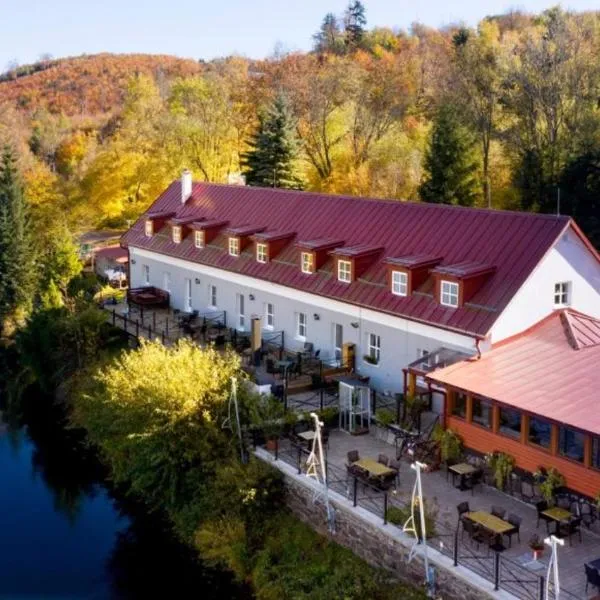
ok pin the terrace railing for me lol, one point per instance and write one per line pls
(503, 573)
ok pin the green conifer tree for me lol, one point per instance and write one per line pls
(272, 161)
(451, 164)
(354, 23)
(17, 262)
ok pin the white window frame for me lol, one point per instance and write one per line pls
(344, 270)
(269, 315)
(234, 246)
(167, 281)
(212, 296)
(199, 239)
(176, 234)
(149, 228)
(308, 262)
(449, 290)
(146, 272)
(301, 325)
(562, 293)
(261, 253)
(399, 283)
(374, 346)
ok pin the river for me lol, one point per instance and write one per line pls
(66, 535)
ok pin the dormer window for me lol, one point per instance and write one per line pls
(199, 239)
(399, 283)
(149, 228)
(176, 234)
(234, 246)
(308, 264)
(344, 271)
(261, 253)
(449, 291)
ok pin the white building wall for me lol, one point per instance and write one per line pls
(569, 260)
(400, 338)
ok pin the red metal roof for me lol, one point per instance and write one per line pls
(355, 251)
(413, 261)
(464, 269)
(513, 242)
(549, 370)
(113, 252)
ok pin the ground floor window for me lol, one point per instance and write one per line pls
(482, 412)
(459, 405)
(510, 422)
(539, 432)
(596, 453)
(570, 444)
(301, 325)
(374, 348)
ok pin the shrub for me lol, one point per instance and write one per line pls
(385, 416)
(450, 443)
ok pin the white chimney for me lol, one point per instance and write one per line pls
(186, 185)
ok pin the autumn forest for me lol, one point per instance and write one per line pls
(505, 115)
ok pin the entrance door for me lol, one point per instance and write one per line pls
(188, 295)
(241, 312)
(338, 340)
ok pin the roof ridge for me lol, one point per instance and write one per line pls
(400, 201)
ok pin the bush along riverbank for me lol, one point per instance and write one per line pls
(159, 419)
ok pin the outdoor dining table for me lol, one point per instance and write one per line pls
(462, 469)
(558, 515)
(595, 564)
(374, 468)
(308, 436)
(492, 523)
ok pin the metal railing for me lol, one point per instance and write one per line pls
(502, 572)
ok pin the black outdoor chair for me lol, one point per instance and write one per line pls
(569, 528)
(498, 511)
(563, 502)
(473, 480)
(488, 539)
(540, 507)
(529, 493)
(591, 577)
(587, 513)
(396, 465)
(471, 529)
(515, 521)
(383, 459)
(352, 456)
(463, 509)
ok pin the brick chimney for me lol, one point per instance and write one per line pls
(186, 185)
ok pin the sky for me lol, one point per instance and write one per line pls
(207, 29)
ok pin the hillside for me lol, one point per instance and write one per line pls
(86, 84)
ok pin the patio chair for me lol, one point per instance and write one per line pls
(471, 528)
(563, 502)
(396, 465)
(587, 514)
(462, 508)
(383, 459)
(540, 507)
(529, 493)
(498, 511)
(488, 539)
(515, 521)
(591, 576)
(473, 480)
(569, 528)
(353, 456)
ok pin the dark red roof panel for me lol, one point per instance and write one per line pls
(359, 250)
(320, 244)
(271, 236)
(513, 242)
(413, 261)
(466, 268)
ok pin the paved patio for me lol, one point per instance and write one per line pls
(446, 497)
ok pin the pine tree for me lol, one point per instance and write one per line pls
(16, 252)
(271, 162)
(450, 163)
(329, 38)
(355, 22)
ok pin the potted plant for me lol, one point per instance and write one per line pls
(500, 467)
(370, 359)
(267, 415)
(537, 546)
(450, 444)
(550, 484)
(384, 417)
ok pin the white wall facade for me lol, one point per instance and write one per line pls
(401, 339)
(568, 261)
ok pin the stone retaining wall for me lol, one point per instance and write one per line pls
(383, 546)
